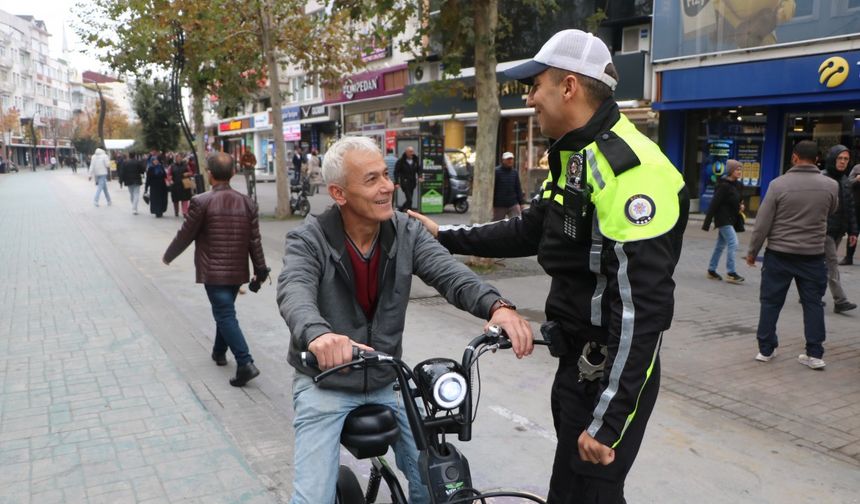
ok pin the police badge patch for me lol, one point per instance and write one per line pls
(574, 169)
(640, 209)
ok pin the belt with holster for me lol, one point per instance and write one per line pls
(592, 358)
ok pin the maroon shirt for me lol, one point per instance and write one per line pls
(366, 271)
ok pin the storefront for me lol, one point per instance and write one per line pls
(758, 95)
(319, 127)
(235, 134)
(757, 120)
(372, 104)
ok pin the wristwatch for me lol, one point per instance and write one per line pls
(501, 303)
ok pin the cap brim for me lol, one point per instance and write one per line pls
(526, 72)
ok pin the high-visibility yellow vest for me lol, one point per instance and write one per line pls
(631, 202)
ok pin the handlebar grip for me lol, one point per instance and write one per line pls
(310, 360)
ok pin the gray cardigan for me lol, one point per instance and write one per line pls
(316, 292)
(793, 215)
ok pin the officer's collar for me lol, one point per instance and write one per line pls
(603, 119)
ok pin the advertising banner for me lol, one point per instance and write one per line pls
(685, 28)
(432, 198)
(713, 167)
(749, 155)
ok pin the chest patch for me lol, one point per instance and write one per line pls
(574, 169)
(640, 209)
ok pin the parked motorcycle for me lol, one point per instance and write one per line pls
(299, 203)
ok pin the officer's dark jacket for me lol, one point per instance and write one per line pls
(642, 269)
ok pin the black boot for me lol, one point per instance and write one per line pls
(848, 260)
(244, 374)
(220, 359)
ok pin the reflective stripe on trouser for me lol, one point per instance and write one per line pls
(574, 481)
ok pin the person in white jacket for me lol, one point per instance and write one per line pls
(100, 168)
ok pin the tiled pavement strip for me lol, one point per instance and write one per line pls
(707, 354)
(93, 409)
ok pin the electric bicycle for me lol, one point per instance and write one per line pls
(299, 203)
(445, 389)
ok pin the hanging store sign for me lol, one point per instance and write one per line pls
(292, 131)
(314, 112)
(289, 114)
(261, 121)
(234, 125)
(352, 89)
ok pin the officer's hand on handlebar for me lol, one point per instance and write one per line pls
(429, 224)
(517, 329)
(332, 350)
(592, 450)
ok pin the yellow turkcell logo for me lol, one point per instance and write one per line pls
(833, 72)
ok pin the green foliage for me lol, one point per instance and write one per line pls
(158, 119)
(85, 144)
(593, 21)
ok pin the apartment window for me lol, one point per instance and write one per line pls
(4, 75)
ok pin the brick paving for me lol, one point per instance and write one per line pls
(93, 409)
(108, 393)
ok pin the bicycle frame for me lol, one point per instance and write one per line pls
(444, 469)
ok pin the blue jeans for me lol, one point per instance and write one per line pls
(227, 331)
(101, 186)
(810, 275)
(319, 417)
(726, 238)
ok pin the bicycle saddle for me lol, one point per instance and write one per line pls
(369, 430)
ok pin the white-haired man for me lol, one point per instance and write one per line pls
(345, 283)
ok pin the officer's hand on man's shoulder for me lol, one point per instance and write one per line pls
(429, 224)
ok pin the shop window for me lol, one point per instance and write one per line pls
(826, 128)
(722, 134)
(804, 8)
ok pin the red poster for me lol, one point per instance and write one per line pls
(390, 140)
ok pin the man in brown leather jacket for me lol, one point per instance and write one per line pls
(224, 226)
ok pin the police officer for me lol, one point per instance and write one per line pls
(607, 226)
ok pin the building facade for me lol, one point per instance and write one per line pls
(727, 87)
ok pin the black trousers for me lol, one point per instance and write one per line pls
(407, 201)
(573, 480)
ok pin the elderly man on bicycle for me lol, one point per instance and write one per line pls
(345, 283)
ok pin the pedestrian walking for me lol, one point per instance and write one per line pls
(793, 220)
(360, 242)
(507, 191)
(224, 226)
(298, 161)
(182, 186)
(315, 171)
(73, 162)
(100, 169)
(156, 186)
(131, 172)
(53, 162)
(843, 222)
(854, 179)
(248, 162)
(725, 212)
(607, 226)
(407, 173)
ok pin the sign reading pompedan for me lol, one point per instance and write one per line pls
(351, 89)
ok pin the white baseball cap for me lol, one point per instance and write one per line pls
(571, 50)
(508, 155)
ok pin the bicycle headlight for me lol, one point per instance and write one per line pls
(442, 382)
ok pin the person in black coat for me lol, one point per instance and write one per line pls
(131, 172)
(854, 180)
(156, 186)
(839, 224)
(180, 194)
(407, 173)
(724, 212)
(507, 190)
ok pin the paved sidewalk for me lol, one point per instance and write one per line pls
(726, 428)
(93, 409)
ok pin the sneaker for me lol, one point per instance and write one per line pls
(844, 306)
(811, 362)
(765, 358)
(96, 203)
(734, 278)
(713, 275)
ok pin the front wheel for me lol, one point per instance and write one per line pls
(461, 206)
(304, 208)
(348, 488)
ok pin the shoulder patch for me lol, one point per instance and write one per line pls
(640, 209)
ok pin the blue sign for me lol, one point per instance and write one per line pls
(805, 79)
(289, 114)
(713, 168)
(685, 28)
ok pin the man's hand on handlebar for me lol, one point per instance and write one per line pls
(429, 224)
(516, 328)
(592, 450)
(332, 350)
